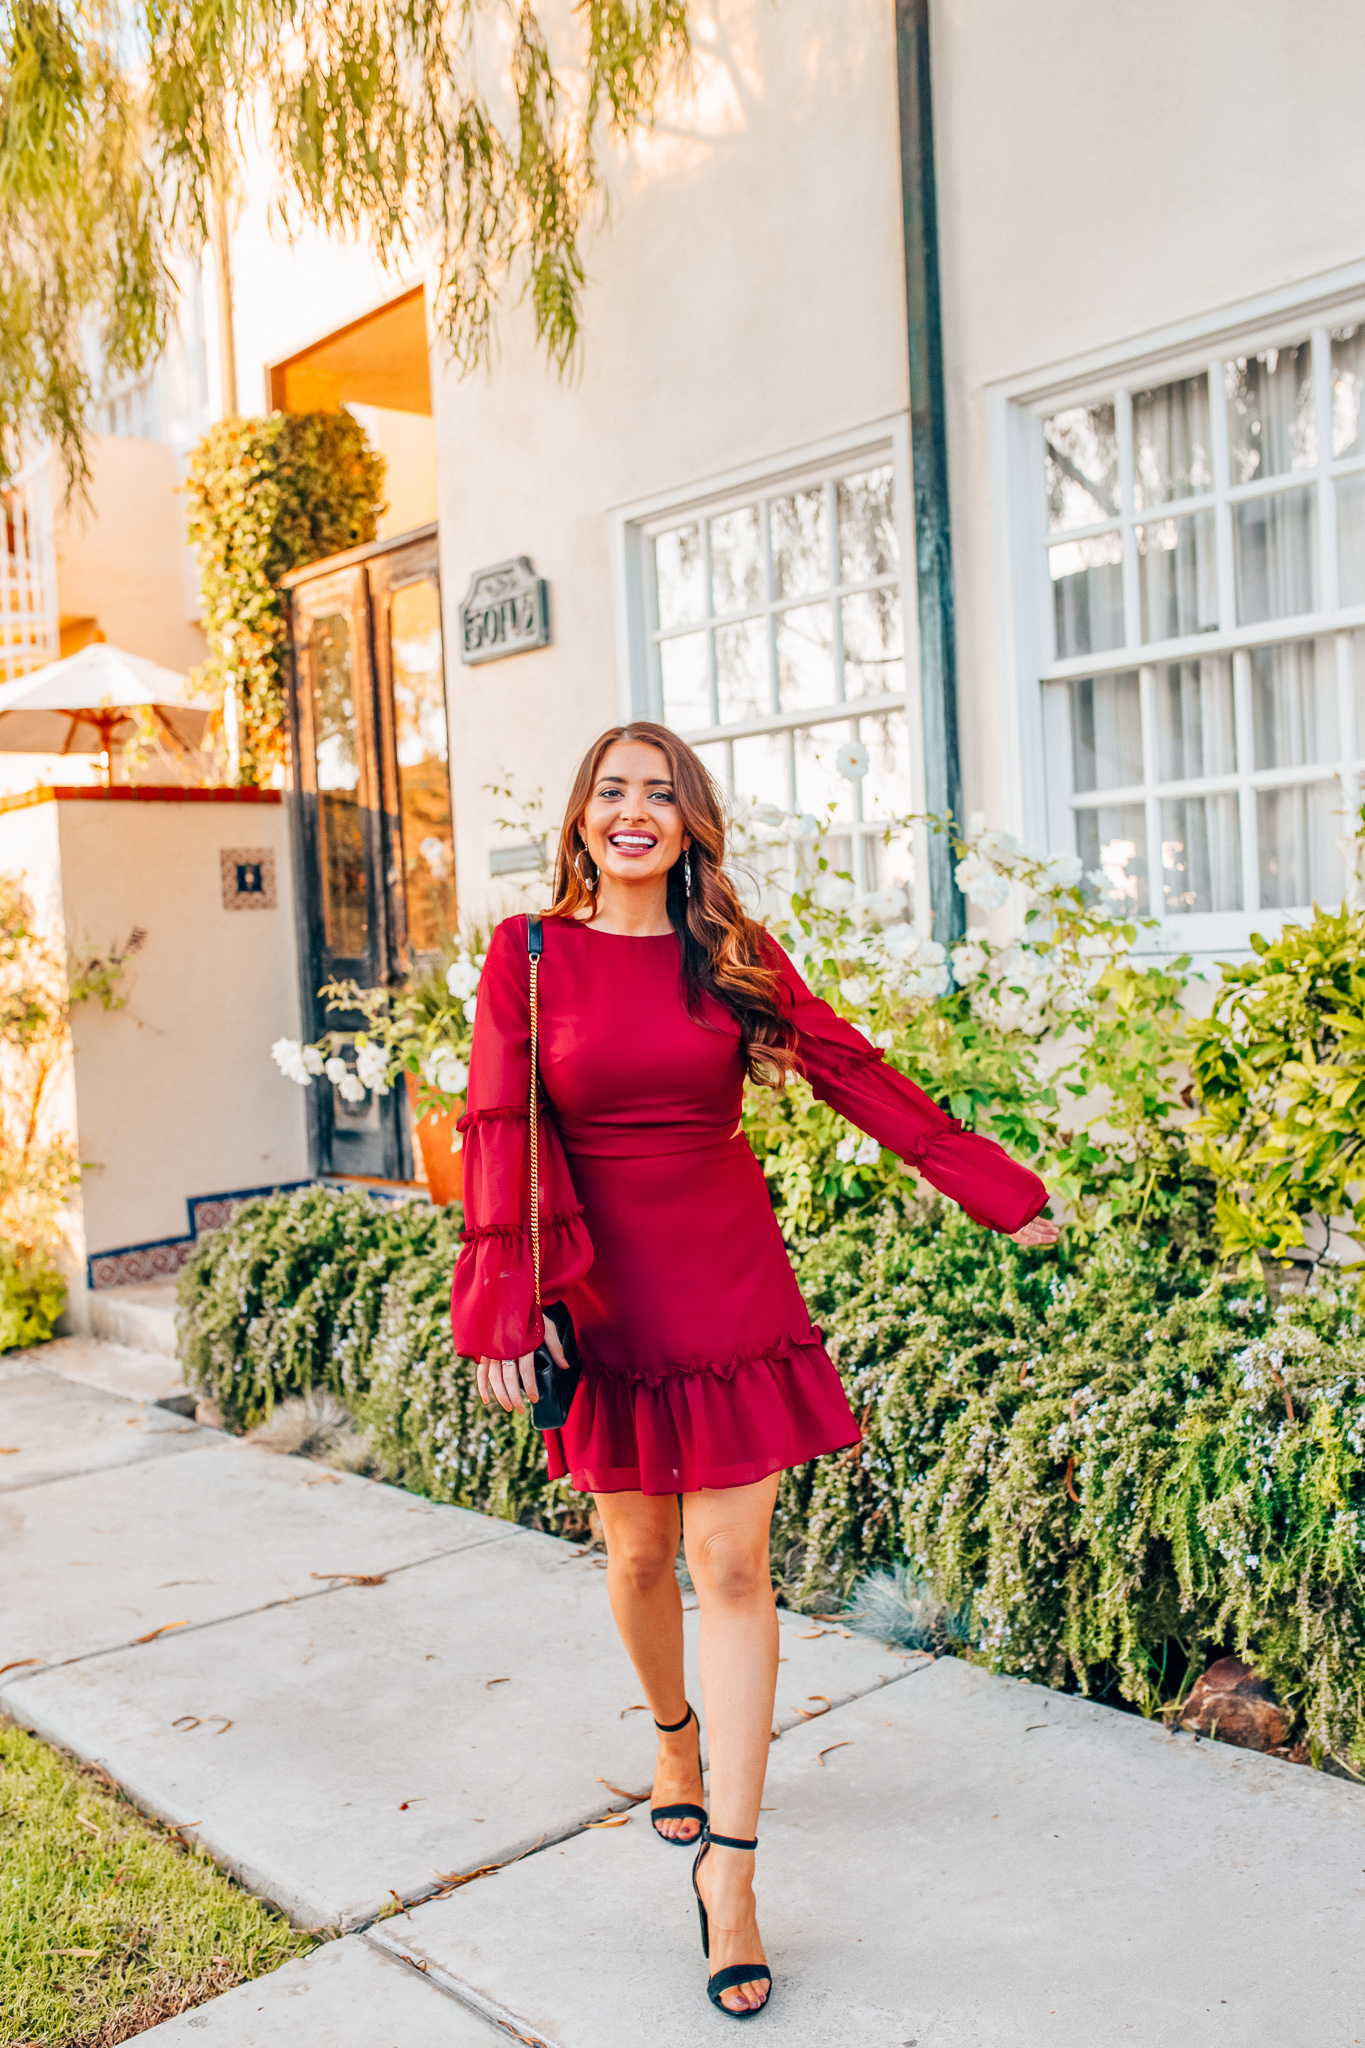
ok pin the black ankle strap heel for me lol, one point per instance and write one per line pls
(684, 1811)
(738, 1973)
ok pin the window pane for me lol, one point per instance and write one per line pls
(1271, 424)
(799, 532)
(341, 820)
(1275, 549)
(743, 683)
(818, 782)
(1082, 466)
(805, 657)
(1294, 704)
(678, 578)
(1201, 857)
(874, 657)
(1112, 843)
(686, 682)
(1106, 732)
(715, 757)
(1358, 653)
(762, 769)
(889, 865)
(1348, 391)
(1351, 538)
(1178, 577)
(419, 718)
(867, 526)
(1087, 594)
(1171, 442)
(1297, 832)
(886, 786)
(736, 560)
(1195, 733)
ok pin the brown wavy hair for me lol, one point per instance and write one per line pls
(722, 946)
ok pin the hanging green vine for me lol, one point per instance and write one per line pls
(265, 496)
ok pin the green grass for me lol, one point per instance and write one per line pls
(108, 1922)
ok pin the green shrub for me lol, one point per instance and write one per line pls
(1124, 1460)
(263, 496)
(32, 1296)
(288, 1297)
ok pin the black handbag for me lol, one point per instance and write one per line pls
(555, 1383)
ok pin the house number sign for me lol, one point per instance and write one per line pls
(505, 610)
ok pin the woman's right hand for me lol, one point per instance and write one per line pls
(512, 1381)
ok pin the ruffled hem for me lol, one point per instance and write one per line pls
(511, 1115)
(782, 1351)
(511, 1232)
(729, 1425)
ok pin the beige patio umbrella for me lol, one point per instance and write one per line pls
(90, 701)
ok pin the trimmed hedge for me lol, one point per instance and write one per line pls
(1119, 1460)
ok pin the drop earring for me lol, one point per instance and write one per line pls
(687, 873)
(589, 881)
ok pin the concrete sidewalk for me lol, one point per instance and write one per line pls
(947, 1857)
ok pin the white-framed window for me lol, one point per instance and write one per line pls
(1194, 551)
(764, 618)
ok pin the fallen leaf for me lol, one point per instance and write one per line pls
(225, 1721)
(70, 1951)
(814, 1636)
(401, 1907)
(81, 1822)
(451, 1880)
(1036, 1724)
(832, 1746)
(531, 2040)
(638, 1708)
(1070, 1468)
(421, 1801)
(188, 1721)
(825, 1709)
(633, 1797)
(164, 1629)
(18, 1663)
(495, 1681)
(351, 1578)
(10, 1450)
(615, 1820)
(327, 1479)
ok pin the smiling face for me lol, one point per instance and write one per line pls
(632, 826)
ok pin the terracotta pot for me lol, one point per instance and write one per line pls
(437, 1136)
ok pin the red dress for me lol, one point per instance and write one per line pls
(701, 1367)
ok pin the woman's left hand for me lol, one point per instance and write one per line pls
(1039, 1232)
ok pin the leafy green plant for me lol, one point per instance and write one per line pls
(1123, 1460)
(288, 1297)
(32, 1295)
(264, 496)
(1279, 1068)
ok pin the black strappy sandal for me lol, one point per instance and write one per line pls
(738, 1973)
(683, 1811)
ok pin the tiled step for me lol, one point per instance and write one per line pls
(142, 1317)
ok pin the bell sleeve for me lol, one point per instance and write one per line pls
(849, 1074)
(493, 1313)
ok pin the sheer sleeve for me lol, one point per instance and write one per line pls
(847, 1072)
(492, 1304)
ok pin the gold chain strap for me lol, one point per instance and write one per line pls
(535, 1150)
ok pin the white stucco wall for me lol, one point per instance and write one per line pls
(745, 300)
(1109, 171)
(121, 553)
(175, 1095)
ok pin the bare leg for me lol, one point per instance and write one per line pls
(726, 1532)
(642, 1544)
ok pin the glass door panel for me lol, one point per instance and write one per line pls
(422, 747)
(341, 822)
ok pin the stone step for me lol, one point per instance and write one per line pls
(141, 1316)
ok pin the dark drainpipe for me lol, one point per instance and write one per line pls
(929, 455)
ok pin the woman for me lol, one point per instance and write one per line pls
(703, 1378)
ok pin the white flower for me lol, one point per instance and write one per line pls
(868, 1153)
(350, 1088)
(470, 1006)
(445, 1070)
(1060, 871)
(845, 1150)
(969, 960)
(834, 892)
(884, 1040)
(856, 991)
(803, 826)
(884, 904)
(312, 1058)
(371, 1066)
(853, 760)
(980, 884)
(462, 977)
(288, 1056)
(336, 1071)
